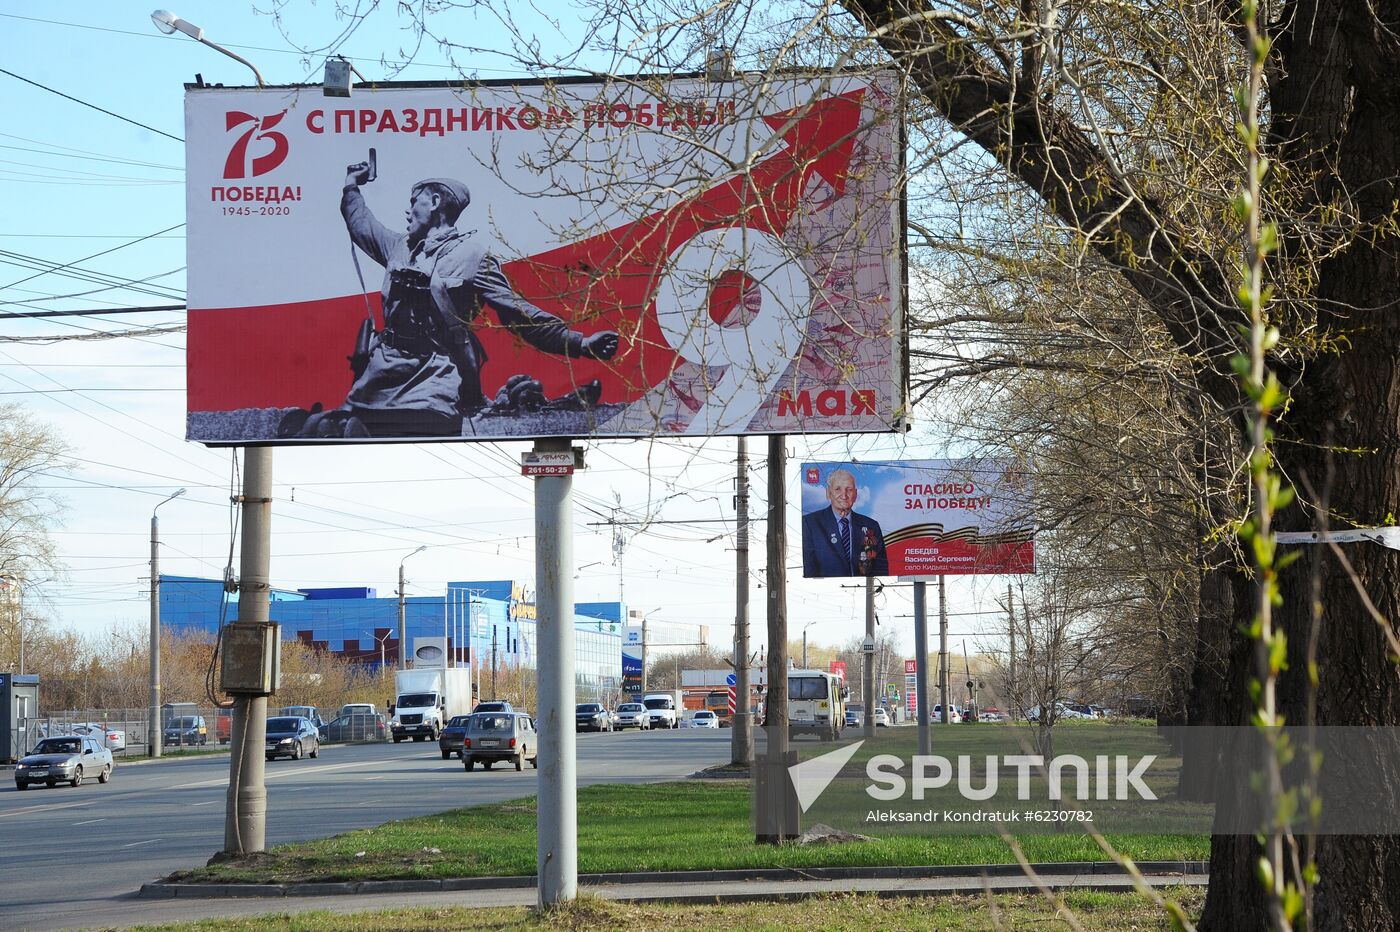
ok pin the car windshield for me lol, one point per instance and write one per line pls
(58, 746)
(282, 724)
(704, 715)
(417, 700)
(458, 721)
(658, 703)
(186, 722)
(589, 707)
(629, 707)
(491, 722)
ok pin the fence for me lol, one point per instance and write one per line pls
(126, 732)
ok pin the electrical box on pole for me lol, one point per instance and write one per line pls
(251, 659)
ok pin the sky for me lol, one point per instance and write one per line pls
(102, 198)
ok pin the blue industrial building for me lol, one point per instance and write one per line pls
(481, 623)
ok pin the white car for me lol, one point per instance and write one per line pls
(703, 718)
(955, 716)
(632, 715)
(882, 718)
(113, 739)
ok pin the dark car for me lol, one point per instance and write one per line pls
(592, 716)
(500, 736)
(64, 759)
(453, 733)
(308, 712)
(185, 731)
(493, 705)
(358, 726)
(292, 736)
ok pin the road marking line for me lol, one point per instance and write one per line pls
(303, 771)
(32, 809)
(90, 821)
(149, 841)
(212, 802)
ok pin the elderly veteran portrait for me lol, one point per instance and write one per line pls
(837, 540)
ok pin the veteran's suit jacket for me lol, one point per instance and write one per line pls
(821, 545)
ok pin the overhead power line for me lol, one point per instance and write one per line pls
(94, 312)
(44, 87)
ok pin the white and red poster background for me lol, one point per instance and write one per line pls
(940, 517)
(741, 242)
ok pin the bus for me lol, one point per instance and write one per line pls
(815, 704)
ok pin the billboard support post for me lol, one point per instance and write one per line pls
(741, 722)
(943, 650)
(868, 692)
(557, 843)
(921, 663)
(245, 818)
(776, 809)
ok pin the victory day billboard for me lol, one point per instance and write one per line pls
(916, 518)
(566, 259)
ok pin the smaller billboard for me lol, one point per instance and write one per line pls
(916, 518)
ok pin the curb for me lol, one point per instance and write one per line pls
(1105, 869)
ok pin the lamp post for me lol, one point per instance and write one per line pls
(403, 625)
(168, 23)
(804, 643)
(153, 736)
(14, 592)
(382, 641)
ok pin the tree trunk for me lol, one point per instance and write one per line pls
(1350, 403)
(1211, 699)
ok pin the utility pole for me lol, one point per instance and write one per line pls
(868, 655)
(1011, 673)
(245, 815)
(556, 846)
(776, 805)
(153, 739)
(921, 703)
(493, 662)
(403, 622)
(943, 649)
(741, 730)
(644, 650)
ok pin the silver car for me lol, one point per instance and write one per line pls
(633, 715)
(64, 759)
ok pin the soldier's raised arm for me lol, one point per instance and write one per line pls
(377, 240)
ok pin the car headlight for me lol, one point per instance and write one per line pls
(285, 741)
(21, 766)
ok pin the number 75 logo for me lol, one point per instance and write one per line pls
(258, 128)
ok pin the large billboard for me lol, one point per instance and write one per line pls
(620, 259)
(916, 518)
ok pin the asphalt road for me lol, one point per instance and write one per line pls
(70, 858)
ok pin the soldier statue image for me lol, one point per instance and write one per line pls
(421, 375)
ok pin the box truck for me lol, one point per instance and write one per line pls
(426, 699)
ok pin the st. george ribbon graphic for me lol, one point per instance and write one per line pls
(712, 297)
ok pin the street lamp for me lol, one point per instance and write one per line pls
(168, 23)
(382, 641)
(804, 643)
(14, 592)
(403, 625)
(153, 736)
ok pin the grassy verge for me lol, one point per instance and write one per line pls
(1095, 911)
(124, 758)
(692, 825)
